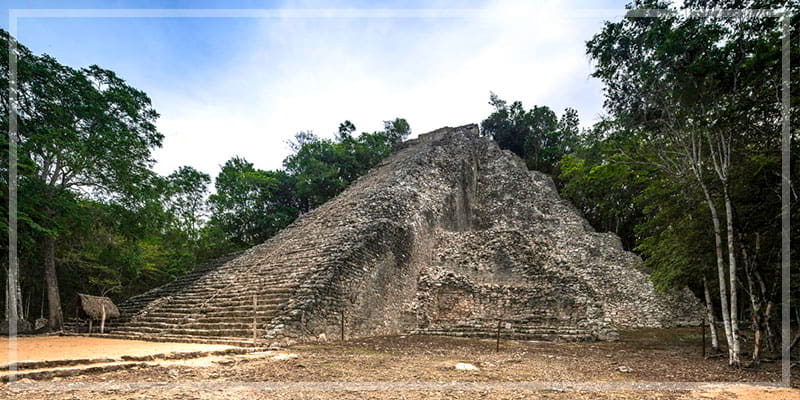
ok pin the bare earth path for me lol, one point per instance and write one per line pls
(647, 365)
(40, 348)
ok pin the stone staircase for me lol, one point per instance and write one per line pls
(228, 301)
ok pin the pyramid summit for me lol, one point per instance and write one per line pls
(448, 236)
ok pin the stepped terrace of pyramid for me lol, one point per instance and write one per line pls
(447, 236)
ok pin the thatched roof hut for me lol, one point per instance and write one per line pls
(93, 307)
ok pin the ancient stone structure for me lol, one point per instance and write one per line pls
(448, 236)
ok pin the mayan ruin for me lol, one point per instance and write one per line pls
(446, 237)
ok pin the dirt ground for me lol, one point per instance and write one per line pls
(40, 348)
(424, 367)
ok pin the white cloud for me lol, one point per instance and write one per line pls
(311, 74)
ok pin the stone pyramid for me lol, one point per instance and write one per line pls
(449, 236)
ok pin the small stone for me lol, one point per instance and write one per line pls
(624, 368)
(466, 367)
(283, 356)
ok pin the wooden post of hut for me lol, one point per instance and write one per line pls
(102, 318)
(97, 308)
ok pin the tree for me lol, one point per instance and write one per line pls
(536, 135)
(674, 240)
(86, 133)
(251, 205)
(701, 93)
(346, 130)
(322, 168)
(509, 126)
(186, 189)
(602, 182)
(396, 130)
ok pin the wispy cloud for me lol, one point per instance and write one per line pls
(310, 74)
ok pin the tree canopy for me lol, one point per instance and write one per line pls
(695, 108)
(537, 135)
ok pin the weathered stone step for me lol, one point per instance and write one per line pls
(533, 330)
(182, 318)
(232, 286)
(223, 302)
(261, 274)
(217, 283)
(534, 325)
(208, 309)
(262, 295)
(218, 279)
(226, 303)
(236, 291)
(261, 317)
(234, 341)
(530, 335)
(164, 315)
(245, 312)
(191, 276)
(244, 325)
(192, 331)
(205, 319)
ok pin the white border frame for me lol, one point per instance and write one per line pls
(14, 15)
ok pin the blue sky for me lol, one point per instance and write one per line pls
(244, 86)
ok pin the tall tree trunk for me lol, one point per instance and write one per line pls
(757, 298)
(723, 291)
(55, 317)
(14, 307)
(20, 309)
(712, 326)
(767, 297)
(764, 330)
(26, 311)
(770, 339)
(735, 361)
(756, 316)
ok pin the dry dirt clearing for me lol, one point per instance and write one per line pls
(424, 367)
(41, 348)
